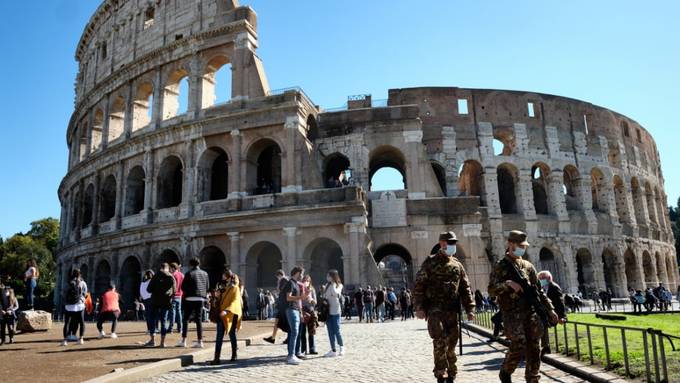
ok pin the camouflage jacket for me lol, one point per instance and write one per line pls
(442, 284)
(507, 299)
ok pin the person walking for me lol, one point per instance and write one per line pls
(8, 309)
(230, 307)
(523, 327)
(31, 282)
(281, 305)
(110, 311)
(293, 297)
(333, 294)
(75, 307)
(368, 298)
(404, 304)
(195, 290)
(554, 292)
(441, 287)
(162, 288)
(145, 296)
(176, 312)
(380, 304)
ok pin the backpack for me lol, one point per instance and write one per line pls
(74, 292)
(368, 296)
(214, 313)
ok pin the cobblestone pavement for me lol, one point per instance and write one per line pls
(388, 352)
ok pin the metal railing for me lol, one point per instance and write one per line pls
(591, 307)
(629, 351)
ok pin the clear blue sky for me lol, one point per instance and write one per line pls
(619, 54)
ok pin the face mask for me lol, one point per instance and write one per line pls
(519, 252)
(450, 250)
(544, 282)
(329, 279)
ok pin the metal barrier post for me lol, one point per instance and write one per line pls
(625, 352)
(578, 344)
(566, 340)
(646, 345)
(606, 347)
(590, 345)
(655, 354)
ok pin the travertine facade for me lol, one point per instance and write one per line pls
(158, 172)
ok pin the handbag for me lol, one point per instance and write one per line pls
(323, 309)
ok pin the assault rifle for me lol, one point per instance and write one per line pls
(530, 293)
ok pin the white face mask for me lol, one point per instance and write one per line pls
(450, 250)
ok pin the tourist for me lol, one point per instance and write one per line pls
(369, 299)
(269, 301)
(359, 303)
(380, 296)
(176, 311)
(404, 304)
(650, 300)
(139, 309)
(293, 298)
(245, 299)
(333, 294)
(229, 301)
(310, 321)
(145, 296)
(31, 280)
(261, 305)
(8, 309)
(479, 300)
(347, 309)
(195, 289)
(75, 306)
(110, 311)
(554, 292)
(391, 303)
(638, 301)
(162, 289)
(281, 304)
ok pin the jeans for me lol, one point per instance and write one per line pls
(112, 316)
(176, 314)
(30, 288)
(77, 317)
(381, 312)
(304, 340)
(220, 336)
(368, 309)
(195, 308)
(293, 316)
(149, 315)
(160, 314)
(333, 326)
(6, 325)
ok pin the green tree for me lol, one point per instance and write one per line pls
(46, 231)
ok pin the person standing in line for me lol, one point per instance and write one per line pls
(309, 321)
(333, 295)
(269, 302)
(261, 305)
(293, 297)
(391, 303)
(554, 292)
(359, 303)
(195, 290)
(404, 304)
(110, 311)
(281, 305)
(369, 298)
(75, 306)
(162, 288)
(176, 312)
(145, 296)
(380, 304)
(347, 309)
(8, 308)
(230, 307)
(31, 280)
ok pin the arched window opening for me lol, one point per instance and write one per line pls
(130, 279)
(598, 191)
(108, 199)
(638, 201)
(216, 82)
(149, 17)
(321, 255)
(440, 174)
(651, 205)
(312, 128)
(649, 269)
(142, 107)
(585, 272)
(335, 172)
(539, 184)
(548, 262)
(213, 261)
(116, 118)
(167, 256)
(170, 181)
(503, 141)
(387, 169)
(633, 273)
(213, 175)
(102, 279)
(507, 184)
(97, 130)
(612, 276)
(395, 264)
(75, 211)
(264, 169)
(621, 200)
(135, 190)
(471, 180)
(626, 130)
(176, 94)
(82, 141)
(88, 205)
(570, 187)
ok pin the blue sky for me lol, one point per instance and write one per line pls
(621, 54)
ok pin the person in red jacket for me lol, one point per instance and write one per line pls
(110, 310)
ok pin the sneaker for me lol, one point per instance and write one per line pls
(293, 360)
(63, 343)
(81, 341)
(182, 343)
(198, 344)
(300, 356)
(330, 354)
(270, 340)
(151, 343)
(102, 334)
(313, 353)
(114, 336)
(341, 352)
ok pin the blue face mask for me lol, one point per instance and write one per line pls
(450, 250)
(519, 252)
(544, 282)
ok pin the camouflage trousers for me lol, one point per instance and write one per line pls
(524, 332)
(443, 329)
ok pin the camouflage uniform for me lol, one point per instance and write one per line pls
(522, 325)
(441, 284)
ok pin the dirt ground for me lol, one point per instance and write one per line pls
(39, 358)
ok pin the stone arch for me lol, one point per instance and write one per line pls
(661, 274)
(312, 128)
(614, 275)
(548, 261)
(142, 106)
(88, 205)
(107, 198)
(383, 157)
(172, 93)
(671, 270)
(321, 255)
(170, 181)
(398, 270)
(213, 261)
(540, 186)
(130, 279)
(75, 211)
(135, 190)
(585, 272)
(651, 205)
(621, 200)
(85, 272)
(638, 200)
(471, 180)
(82, 142)
(102, 279)
(264, 167)
(508, 184)
(440, 174)
(116, 118)
(599, 197)
(217, 69)
(213, 175)
(660, 208)
(649, 269)
(262, 261)
(633, 273)
(97, 130)
(503, 140)
(335, 166)
(167, 256)
(571, 177)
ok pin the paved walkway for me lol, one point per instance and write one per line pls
(389, 352)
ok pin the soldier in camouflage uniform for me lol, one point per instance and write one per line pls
(522, 325)
(441, 286)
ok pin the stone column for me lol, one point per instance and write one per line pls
(129, 112)
(558, 204)
(290, 256)
(188, 195)
(662, 274)
(291, 174)
(235, 258)
(195, 87)
(415, 178)
(105, 128)
(148, 185)
(491, 189)
(525, 195)
(355, 230)
(569, 267)
(95, 204)
(157, 111)
(120, 197)
(235, 176)
(450, 164)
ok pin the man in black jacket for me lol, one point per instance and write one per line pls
(554, 293)
(162, 289)
(195, 290)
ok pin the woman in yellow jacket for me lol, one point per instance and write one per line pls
(230, 313)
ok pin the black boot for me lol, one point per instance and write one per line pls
(505, 377)
(450, 379)
(216, 360)
(234, 355)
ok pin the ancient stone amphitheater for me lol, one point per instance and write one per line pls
(262, 180)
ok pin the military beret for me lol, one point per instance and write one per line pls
(518, 237)
(448, 236)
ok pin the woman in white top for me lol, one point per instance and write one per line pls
(146, 299)
(333, 293)
(75, 306)
(31, 278)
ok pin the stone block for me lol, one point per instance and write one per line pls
(32, 321)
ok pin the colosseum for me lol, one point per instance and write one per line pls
(265, 179)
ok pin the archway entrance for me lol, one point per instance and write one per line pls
(398, 265)
(334, 171)
(507, 184)
(585, 272)
(167, 256)
(262, 261)
(102, 278)
(213, 262)
(613, 277)
(649, 268)
(633, 274)
(321, 255)
(548, 262)
(130, 279)
(264, 167)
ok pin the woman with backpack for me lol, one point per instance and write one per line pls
(227, 311)
(31, 278)
(162, 288)
(333, 294)
(75, 306)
